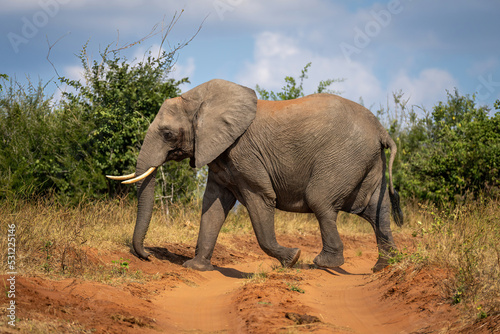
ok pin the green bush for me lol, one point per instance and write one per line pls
(97, 128)
(36, 145)
(449, 155)
(120, 100)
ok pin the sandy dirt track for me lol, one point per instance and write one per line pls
(247, 293)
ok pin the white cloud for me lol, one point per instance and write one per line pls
(427, 88)
(405, 54)
(74, 72)
(180, 71)
(277, 56)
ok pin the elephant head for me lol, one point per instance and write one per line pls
(200, 124)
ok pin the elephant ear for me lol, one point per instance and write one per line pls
(222, 112)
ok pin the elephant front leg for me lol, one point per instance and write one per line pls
(332, 254)
(262, 217)
(217, 202)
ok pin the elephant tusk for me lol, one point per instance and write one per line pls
(122, 177)
(140, 177)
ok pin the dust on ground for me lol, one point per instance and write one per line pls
(247, 293)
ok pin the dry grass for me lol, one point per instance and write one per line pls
(54, 239)
(466, 243)
(51, 237)
(46, 326)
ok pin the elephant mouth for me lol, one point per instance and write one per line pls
(177, 155)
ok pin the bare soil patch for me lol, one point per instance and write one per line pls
(247, 293)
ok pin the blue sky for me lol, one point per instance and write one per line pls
(421, 47)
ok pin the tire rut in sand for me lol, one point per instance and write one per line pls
(274, 300)
(206, 306)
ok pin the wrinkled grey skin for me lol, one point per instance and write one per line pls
(318, 154)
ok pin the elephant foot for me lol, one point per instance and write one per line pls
(329, 260)
(381, 264)
(290, 259)
(200, 265)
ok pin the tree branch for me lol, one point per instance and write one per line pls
(50, 49)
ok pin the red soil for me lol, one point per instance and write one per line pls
(349, 299)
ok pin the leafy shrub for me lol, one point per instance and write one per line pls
(446, 156)
(96, 129)
(120, 100)
(449, 155)
(39, 144)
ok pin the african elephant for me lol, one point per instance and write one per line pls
(316, 154)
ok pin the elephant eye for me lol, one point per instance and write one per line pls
(167, 135)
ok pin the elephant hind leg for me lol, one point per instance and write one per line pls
(377, 213)
(319, 200)
(332, 254)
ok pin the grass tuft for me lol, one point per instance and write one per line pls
(466, 243)
(54, 239)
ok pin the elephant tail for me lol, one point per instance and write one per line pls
(396, 212)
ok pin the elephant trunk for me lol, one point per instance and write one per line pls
(145, 194)
(152, 155)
